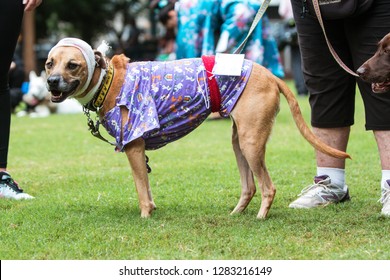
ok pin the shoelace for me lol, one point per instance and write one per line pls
(12, 184)
(313, 187)
(385, 196)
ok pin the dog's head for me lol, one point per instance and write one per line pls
(376, 70)
(70, 68)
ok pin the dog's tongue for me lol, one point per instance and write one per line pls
(30, 100)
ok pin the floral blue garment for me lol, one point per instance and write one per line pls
(198, 20)
(201, 21)
(167, 100)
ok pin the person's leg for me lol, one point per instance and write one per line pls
(382, 139)
(336, 138)
(373, 26)
(332, 167)
(332, 95)
(5, 122)
(11, 15)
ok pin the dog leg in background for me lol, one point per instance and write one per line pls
(247, 181)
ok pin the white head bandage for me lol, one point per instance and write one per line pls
(88, 54)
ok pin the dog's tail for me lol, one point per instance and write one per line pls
(303, 127)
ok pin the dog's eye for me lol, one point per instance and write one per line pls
(49, 64)
(72, 66)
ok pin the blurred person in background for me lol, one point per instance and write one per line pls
(166, 14)
(206, 27)
(209, 26)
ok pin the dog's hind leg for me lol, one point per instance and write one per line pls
(268, 190)
(248, 187)
(254, 154)
(253, 117)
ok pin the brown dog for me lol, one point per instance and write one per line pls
(376, 70)
(253, 115)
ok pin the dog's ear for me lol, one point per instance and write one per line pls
(32, 75)
(100, 61)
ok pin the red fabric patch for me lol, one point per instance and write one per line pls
(215, 94)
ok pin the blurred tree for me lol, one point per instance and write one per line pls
(87, 18)
(84, 19)
(28, 41)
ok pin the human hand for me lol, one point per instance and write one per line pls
(31, 4)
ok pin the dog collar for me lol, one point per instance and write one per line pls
(101, 93)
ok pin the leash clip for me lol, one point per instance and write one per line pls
(91, 126)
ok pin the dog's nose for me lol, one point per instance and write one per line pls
(362, 71)
(53, 81)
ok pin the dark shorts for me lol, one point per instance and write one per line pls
(332, 90)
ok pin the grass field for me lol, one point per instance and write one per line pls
(86, 205)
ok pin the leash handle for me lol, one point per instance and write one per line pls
(331, 49)
(256, 20)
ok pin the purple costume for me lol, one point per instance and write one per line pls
(167, 100)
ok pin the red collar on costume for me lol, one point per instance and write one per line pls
(215, 94)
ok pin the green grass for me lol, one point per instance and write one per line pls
(86, 206)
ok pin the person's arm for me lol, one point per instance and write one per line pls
(31, 4)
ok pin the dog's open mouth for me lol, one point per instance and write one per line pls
(58, 96)
(381, 87)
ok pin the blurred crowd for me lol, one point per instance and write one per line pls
(202, 27)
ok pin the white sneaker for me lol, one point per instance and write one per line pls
(385, 198)
(10, 189)
(320, 193)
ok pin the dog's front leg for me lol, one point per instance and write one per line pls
(135, 152)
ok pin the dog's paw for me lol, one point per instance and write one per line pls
(146, 211)
(145, 214)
